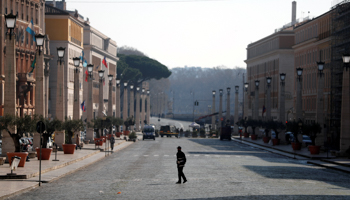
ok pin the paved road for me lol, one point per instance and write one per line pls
(215, 170)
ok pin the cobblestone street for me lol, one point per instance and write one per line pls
(215, 170)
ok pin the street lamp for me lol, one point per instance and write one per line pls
(282, 77)
(246, 86)
(221, 91)
(39, 39)
(100, 74)
(137, 112)
(110, 77)
(60, 53)
(214, 92)
(268, 81)
(10, 20)
(125, 84)
(228, 90)
(257, 82)
(320, 66)
(213, 111)
(236, 88)
(76, 62)
(346, 60)
(118, 82)
(299, 72)
(90, 67)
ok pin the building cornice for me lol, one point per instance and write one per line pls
(269, 54)
(102, 52)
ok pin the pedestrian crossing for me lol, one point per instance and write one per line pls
(195, 155)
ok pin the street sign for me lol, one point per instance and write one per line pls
(40, 127)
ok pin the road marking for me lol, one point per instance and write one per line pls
(145, 155)
(217, 155)
(156, 155)
(166, 155)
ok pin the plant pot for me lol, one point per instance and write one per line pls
(126, 132)
(254, 137)
(246, 135)
(22, 155)
(109, 136)
(314, 149)
(296, 146)
(98, 141)
(266, 139)
(45, 153)
(275, 141)
(103, 138)
(118, 134)
(86, 141)
(68, 148)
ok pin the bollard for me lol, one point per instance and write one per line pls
(55, 152)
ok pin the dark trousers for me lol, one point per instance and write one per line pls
(112, 146)
(181, 173)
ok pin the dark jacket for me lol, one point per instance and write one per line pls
(112, 140)
(181, 159)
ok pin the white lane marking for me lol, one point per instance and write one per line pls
(145, 155)
(166, 155)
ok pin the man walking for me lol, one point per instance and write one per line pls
(112, 140)
(181, 160)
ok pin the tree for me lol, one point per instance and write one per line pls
(312, 130)
(276, 126)
(51, 126)
(22, 125)
(295, 129)
(254, 123)
(129, 122)
(72, 126)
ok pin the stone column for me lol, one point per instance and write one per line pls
(110, 103)
(60, 103)
(90, 110)
(9, 93)
(125, 103)
(299, 106)
(39, 85)
(220, 109)
(268, 103)
(60, 100)
(320, 139)
(212, 112)
(142, 118)
(76, 104)
(101, 101)
(132, 104)
(282, 103)
(148, 108)
(236, 112)
(39, 93)
(117, 101)
(256, 102)
(345, 112)
(228, 113)
(137, 119)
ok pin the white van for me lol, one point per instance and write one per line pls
(148, 132)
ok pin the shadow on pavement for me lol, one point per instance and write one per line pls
(284, 197)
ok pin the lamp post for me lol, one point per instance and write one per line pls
(125, 102)
(221, 91)
(10, 82)
(89, 105)
(143, 108)
(282, 98)
(246, 85)
(76, 106)
(256, 102)
(117, 98)
(39, 78)
(299, 102)
(320, 107)
(213, 111)
(137, 113)
(110, 103)
(60, 100)
(100, 106)
(148, 107)
(345, 107)
(268, 105)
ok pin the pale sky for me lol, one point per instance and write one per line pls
(203, 33)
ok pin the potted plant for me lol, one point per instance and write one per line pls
(254, 124)
(16, 127)
(296, 129)
(132, 136)
(98, 125)
(51, 126)
(312, 130)
(117, 122)
(194, 133)
(70, 127)
(277, 127)
(202, 133)
(128, 122)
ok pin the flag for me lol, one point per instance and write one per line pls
(83, 106)
(86, 76)
(82, 58)
(33, 65)
(263, 110)
(30, 29)
(104, 61)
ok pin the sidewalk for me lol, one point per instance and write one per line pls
(324, 159)
(52, 170)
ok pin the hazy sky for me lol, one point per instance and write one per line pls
(205, 33)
